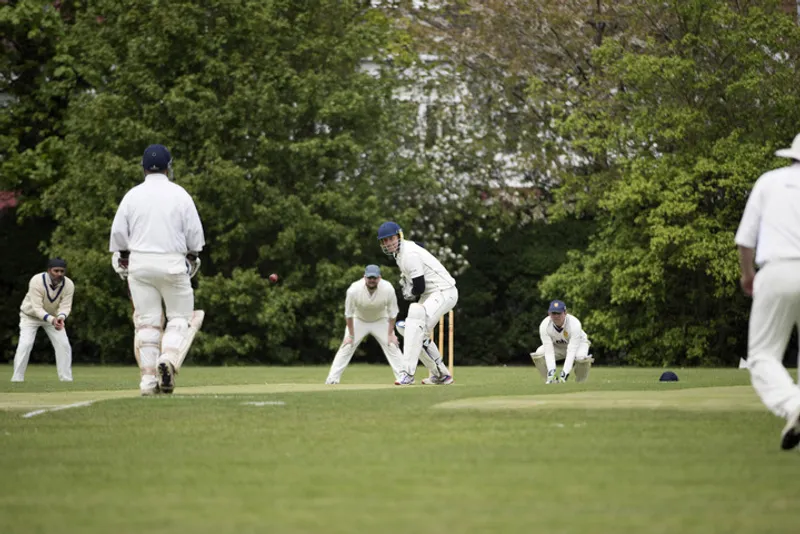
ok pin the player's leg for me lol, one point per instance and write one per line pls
(176, 290)
(345, 352)
(436, 306)
(775, 312)
(27, 336)
(380, 331)
(63, 351)
(147, 322)
(583, 362)
(539, 363)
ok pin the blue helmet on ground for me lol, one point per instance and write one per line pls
(157, 158)
(386, 230)
(668, 376)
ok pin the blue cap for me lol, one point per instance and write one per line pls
(557, 306)
(156, 158)
(372, 270)
(388, 229)
(668, 376)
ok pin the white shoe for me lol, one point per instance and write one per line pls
(166, 375)
(404, 380)
(563, 377)
(14, 379)
(445, 380)
(790, 437)
(331, 381)
(551, 377)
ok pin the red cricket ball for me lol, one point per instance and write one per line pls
(273, 278)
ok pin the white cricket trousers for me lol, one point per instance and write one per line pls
(153, 278)
(436, 305)
(380, 331)
(28, 327)
(774, 313)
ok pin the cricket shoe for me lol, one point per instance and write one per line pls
(551, 377)
(563, 377)
(331, 382)
(444, 380)
(166, 375)
(790, 437)
(404, 380)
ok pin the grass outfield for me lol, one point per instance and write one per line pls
(272, 450)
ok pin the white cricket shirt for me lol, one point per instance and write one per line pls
(381, 304)
(157, 216)
(771, 219)
(415, 261)
(571, 333)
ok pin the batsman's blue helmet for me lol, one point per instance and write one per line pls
(388, 229)
(157, 159)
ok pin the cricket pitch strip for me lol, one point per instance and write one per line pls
(729, 398)
(52, 401)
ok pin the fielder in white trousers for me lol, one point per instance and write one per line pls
(28, 327)
(769, 237)
(370, 308)
(47, 304)
(361, 329)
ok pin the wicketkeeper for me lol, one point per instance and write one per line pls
(562, 338)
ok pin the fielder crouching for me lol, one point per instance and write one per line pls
(156, 237)
(562, 338)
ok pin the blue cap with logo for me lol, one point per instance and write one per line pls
(556, 306)
(156, 158)
(372, 271)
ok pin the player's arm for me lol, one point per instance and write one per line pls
(195, 239)
(32, 305)
(120, 233)
(392, 309)
(349, 314)
(416, 273)
(747, 238)
(65, 306)
(547, 342)
(575, 329)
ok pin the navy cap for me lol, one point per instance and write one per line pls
(557, 306)
(668, 376)
(372, 270)
(52, 263)
(156, 158)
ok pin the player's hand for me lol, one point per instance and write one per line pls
(348, 340)
(746, 281)
(393, 340)
(58, 323)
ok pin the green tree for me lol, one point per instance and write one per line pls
(678, 124)
(283, 138)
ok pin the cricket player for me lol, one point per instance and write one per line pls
(769, 237)
(425, 279)
(370, 307)
(47, 304)
(158, 235)
(562, 338)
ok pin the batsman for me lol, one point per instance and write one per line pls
(433, 291)
(156, 238)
